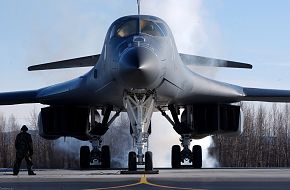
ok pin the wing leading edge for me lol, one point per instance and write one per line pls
(19, 97)
(265, 95)
(212, 62)
(250, 94)
(70, 63)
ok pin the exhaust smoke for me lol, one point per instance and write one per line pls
(192, 30)
(117, 137)
(120, 141)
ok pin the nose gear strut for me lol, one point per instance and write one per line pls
(140, 107)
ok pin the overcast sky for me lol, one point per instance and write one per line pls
(252, 31)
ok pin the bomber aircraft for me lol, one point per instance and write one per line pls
(140, 71)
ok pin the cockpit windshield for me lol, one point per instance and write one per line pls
(135, 26)
(150, 28)
(128, 28)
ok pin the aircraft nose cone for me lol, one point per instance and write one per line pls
(139, 67)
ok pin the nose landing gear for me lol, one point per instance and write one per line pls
(140, 107)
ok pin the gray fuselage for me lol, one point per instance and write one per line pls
(138, 58)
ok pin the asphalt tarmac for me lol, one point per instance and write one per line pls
(184, 179)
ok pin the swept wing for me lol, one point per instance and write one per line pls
(266, 95)
(212, 62)
(86, 61)
(19, 97)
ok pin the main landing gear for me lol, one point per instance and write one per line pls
(99, 156)
(194, 157)
(185, 130)
(140, 107)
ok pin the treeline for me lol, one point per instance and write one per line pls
(265, 141)
(47, 154)
(63, 152)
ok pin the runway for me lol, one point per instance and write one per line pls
(184, 179)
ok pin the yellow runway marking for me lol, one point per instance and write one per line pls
(143, 181)
(117, 187)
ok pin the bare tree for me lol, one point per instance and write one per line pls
(3, 145)
(14, 130)
(264, 142)
(33, 119)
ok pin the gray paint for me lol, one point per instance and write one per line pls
(157, 66)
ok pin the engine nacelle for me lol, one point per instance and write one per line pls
(204, 120)
(58, 121)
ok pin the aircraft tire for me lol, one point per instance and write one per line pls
(196, 156)
(175, 156)
(132, 162)
(106, 157)
(148, 161)
(84, 157)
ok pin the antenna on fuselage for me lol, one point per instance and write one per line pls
(138, 3)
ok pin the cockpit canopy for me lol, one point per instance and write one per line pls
(135, 26)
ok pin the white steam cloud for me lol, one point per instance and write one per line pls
(191, 29)
(195, 32)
